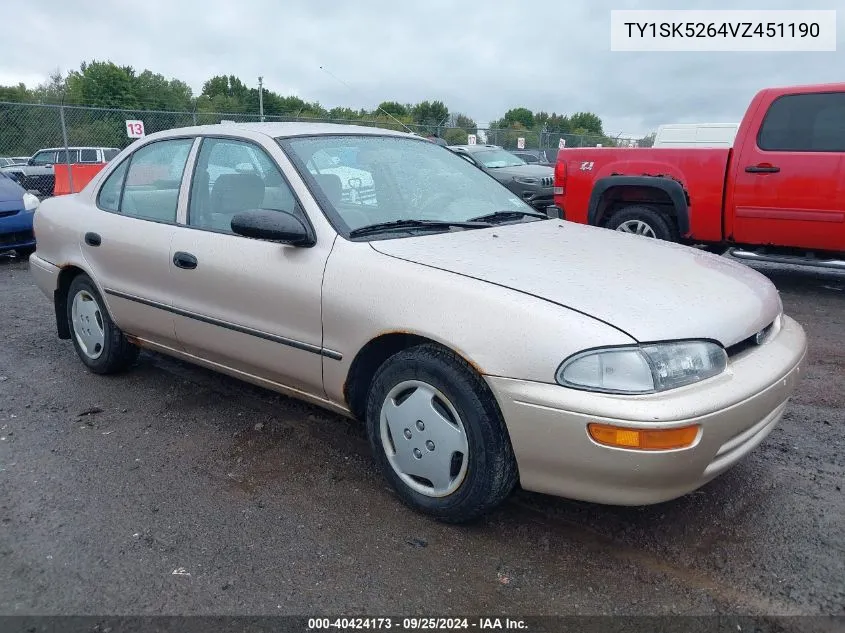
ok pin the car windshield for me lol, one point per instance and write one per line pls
(493, 158)
(363, 180)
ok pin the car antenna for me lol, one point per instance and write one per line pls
(379, 108)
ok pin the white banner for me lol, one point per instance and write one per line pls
(723, 30)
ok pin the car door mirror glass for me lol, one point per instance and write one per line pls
(272, 225)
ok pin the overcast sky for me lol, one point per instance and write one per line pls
(479, 58)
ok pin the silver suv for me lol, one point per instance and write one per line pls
(37, 173)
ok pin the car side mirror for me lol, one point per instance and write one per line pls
(273, 226)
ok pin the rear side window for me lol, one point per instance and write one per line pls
(805, 123)
(87, 156)
(147, 184)
(108, 154)
(151, 190)
(44, 158)
(71, 156)
(109, 197)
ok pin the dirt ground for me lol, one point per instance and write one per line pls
(173, 490)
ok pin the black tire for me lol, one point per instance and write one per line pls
(25, 252)
(491, 470)
(662, 227)
(117, 353)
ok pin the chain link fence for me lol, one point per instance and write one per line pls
(26, 130)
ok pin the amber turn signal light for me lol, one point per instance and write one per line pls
(641, 439)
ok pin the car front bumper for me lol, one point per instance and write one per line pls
(16, 230)
(736, 411)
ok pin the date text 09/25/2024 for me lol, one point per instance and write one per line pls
(416, 624)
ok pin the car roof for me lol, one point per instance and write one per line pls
(474, 148)
(61, 149)
(285, 130)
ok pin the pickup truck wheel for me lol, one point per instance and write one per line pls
(643, 221)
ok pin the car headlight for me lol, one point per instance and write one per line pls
(30, 202)
(527, 180)
(645, 368)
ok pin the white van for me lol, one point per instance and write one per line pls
(696, 135)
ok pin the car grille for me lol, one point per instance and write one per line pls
(6, 214)
(751, 341)
(547, 181)
(15, 238)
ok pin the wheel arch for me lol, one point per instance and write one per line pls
(374, 353)
(613, 192)
(60, 295)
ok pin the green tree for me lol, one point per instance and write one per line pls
(430, 113)
(17, 93)
(393, 108)
(155, 92)
(102, 84)
(465, 123)
(587, 121)
(523, 116)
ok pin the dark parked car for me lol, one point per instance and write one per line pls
(8, 161)
(532, 183)
(17, 208)
(537, 156)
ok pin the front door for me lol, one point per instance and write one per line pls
(790, 180)
(246, 304)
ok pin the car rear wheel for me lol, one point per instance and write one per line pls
(100, 344)
(643, 221)
(438, 436)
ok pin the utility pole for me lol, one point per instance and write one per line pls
(261, 98)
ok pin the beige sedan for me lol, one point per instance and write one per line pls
(381, 276)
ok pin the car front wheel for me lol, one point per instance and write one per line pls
(438, 436)
(100, 344)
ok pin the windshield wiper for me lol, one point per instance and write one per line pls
(498, 217)
(394, 225)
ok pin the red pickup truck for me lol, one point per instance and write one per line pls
(778, 194)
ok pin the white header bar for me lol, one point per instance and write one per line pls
(736, 31)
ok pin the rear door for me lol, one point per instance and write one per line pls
(789, 181)
(127, 242)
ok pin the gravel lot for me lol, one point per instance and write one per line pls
(173, 490)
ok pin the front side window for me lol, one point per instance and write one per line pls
(44, 158)
(232, 176)
(151, 189)
(805, 123)
(400, 179)
(493, 158)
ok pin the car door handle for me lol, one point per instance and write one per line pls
(762, 169)
(184, 260)
(93, 239)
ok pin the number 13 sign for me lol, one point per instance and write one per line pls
(135, 129)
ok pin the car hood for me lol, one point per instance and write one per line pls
(651, 290)
(10, 191)
(525, 171)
